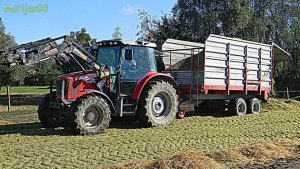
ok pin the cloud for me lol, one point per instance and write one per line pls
(129, 10)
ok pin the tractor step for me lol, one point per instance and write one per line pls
(126, 107)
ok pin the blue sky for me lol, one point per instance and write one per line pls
(100, 17)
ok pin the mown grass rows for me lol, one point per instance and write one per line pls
(29, 145)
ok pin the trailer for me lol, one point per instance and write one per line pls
(223, 72)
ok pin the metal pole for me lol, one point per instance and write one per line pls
(287, 93)
(8, 97)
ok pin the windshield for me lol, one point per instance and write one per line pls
(108, 56)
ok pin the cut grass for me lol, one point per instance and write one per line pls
(14, 90)
(260, 153)
(28, 145)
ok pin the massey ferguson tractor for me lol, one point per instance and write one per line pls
(120, 78)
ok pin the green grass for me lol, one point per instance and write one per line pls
(27, 145)
(25, 90)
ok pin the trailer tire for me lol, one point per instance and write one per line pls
(50, 117)
(253, 106)
(158, 105)
(89, 115)
(238, 107)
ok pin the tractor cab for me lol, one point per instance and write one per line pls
(127, 61)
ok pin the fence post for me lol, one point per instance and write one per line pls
(287, 93)
(8, 97)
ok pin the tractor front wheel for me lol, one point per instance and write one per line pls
(158, 105)
(50, 117)
(89, 115)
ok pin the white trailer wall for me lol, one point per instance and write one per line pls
(216, 61)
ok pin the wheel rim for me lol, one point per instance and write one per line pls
(92, 116)
(241, 108)
(255, 107)
(161, 105)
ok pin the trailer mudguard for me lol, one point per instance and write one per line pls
(152, 76)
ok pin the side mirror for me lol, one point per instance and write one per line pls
(128, 54)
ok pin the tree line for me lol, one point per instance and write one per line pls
(266, 21)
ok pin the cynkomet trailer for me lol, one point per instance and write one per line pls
(223, 72)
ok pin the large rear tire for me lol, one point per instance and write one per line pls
(253, 105)
(89, 115)
(238, 107)
(50, 117)
(158, 105)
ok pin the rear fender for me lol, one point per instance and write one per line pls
(152, 76)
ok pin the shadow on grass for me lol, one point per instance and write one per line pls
(36, 129)
(126, 122)
(32, 129)
(212, 113)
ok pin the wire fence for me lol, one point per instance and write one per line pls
(16, 100)
(287, 94)
(9, 100)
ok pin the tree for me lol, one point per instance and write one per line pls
(42, 73)
(148, 24)
(117, 34)
(9, 75)
(82, 37)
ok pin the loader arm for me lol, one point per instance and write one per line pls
(64, 50)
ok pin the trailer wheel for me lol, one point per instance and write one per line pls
(253, 105)
(50, 117)
(89, 115)
(238, 107)
(158, 105)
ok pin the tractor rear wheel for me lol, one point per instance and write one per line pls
(89, 115)
(238, 107)
(50, 117)
(253, 105)
(158, 105)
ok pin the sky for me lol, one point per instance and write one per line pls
(58, 17)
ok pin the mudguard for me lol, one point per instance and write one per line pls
(105, 97)
(152, 76)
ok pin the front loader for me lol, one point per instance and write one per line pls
(112, 78)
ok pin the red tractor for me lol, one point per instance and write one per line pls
(115, 78)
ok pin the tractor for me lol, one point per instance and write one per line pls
(111, 78)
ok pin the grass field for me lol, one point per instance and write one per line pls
(25, 144)
(25, 90)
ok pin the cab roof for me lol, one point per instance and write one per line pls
(119, 42)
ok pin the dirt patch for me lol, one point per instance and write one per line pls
(2, 123)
